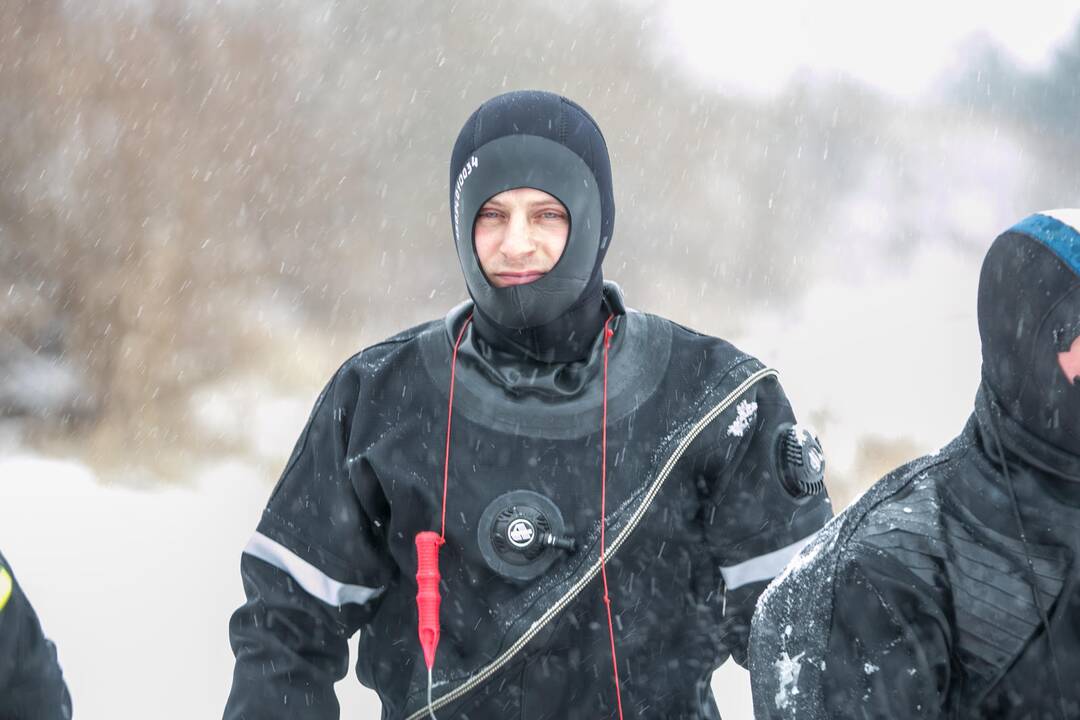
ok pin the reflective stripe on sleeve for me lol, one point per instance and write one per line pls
(315, 581)
(762, 567)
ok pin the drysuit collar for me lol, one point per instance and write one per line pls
(507, 393)
(567, 338)
(1030, 449)
(521, 372)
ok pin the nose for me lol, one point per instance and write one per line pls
(517, 241)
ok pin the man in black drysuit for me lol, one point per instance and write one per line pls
(951, 589)
(708, 486)
(31, 684)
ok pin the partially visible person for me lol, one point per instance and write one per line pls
(951, 589)
(31, 683)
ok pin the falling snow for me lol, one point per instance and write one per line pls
(205, 207)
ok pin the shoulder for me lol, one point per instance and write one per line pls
(374, 358)
(894, 524)
(704, 354)
(690, 339)
(903, 516)
(381, 351)
(900, 514)
(908, 516)
(897, 536)
(370, 364)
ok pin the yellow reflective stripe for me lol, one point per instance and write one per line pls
(5, 587)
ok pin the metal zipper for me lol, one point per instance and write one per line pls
(497, 664)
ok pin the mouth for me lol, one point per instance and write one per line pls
(507, 279)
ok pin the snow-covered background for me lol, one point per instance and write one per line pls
(205, 207)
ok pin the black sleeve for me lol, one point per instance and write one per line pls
(889, 647)
(313, 572)
(753, 525)
(31, 683)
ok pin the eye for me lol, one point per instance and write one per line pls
(553, 215)
(488, 214)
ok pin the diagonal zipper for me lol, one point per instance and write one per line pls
(507, 655)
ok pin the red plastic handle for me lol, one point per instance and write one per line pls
(427, 593)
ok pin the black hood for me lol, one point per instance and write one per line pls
(1029, 321)
(544, 141)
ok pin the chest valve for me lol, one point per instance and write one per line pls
(521, 533)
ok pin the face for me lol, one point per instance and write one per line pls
(1070, 362)
(519, 235)
(1065, 321)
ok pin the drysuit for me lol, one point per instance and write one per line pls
(31, 683)
(951, 588)
(698, 518)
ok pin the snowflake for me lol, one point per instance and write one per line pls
(744, 413)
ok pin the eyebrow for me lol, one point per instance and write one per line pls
(530, 205)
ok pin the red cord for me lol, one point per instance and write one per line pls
(608, 332)
(428, 599)
(449, 419)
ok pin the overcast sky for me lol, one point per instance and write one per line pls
(902, 48)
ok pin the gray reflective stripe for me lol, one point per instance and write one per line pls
(306, 575)
(762, 567)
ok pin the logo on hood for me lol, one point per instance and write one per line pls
(466, 171)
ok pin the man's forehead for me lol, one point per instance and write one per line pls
(522, 195)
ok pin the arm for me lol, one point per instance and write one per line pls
(755, 526)
(313, 573)
(889, 647)
(31, 683)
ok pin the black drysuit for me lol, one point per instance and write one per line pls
(697, 523)
(918, 601)
(31, 684)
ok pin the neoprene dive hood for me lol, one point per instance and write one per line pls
(536, 140)
(1029, 321)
